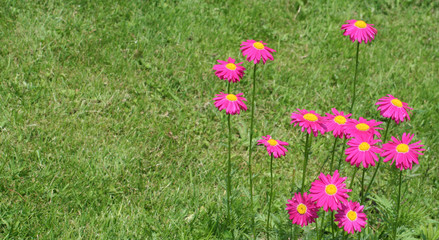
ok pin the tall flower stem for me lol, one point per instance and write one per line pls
(305, 163)
(250, 151)
(353, 178)
(379, 162)
(229, 163)
(355, 79)
(362, 185)
(397, 205)
(271, 196)
(333, 151)
(342, 153)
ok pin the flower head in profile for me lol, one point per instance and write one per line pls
(233, 104)
(231, 71)
(309, 121)
(362, 152)
(402, 152)
(329, 191)
(392, 107)
(336, 122)
(351, 217)
(275, 147)
(254, 51)
(362, 128)
(301, 209)
(359, 31)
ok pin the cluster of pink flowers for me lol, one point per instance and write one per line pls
(231, 71)
(363, 134)
(330, 193)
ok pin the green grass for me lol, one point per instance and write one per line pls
(108, 129)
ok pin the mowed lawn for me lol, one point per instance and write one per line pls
(108, 128)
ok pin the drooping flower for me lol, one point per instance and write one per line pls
(402, 152)
(254, 51)
(273, 146)
(329, 191)
(336, 122)
(362, 128)
(232, 103)
(231, 71)
(301, 209)
(362, 152)
(309, 120)
(351, 217)
(358, 30)
(392, 107)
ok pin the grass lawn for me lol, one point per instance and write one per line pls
(108, 128)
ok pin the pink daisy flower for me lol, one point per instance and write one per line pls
(351, 217)
(358, 30)
(402, 152)
(231, 71)
(274, 146)
(309, 120)
(254, 51)
(362, 151)
(329, 191)
(232, 103)
(301, 209)
(391, 107)
(336, 123)
(362, 128)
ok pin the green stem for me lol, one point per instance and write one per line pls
(362, 186)
(229, 162)
(250, 151)
(305, 163)
(397, 205)
(229, 169)
(332, 225)
(355, 80)
(333, 151)
(342, 153)
(353, 177)
(271, 197)
(379, 161)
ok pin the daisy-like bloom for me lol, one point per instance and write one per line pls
(359, 30)
(301, 209)
(392, 107)
(351, 217)
(232, 103)
(274, 146)
(254, 51)
(329, 191)
(362, 128)
(362, 151)
(231, 71)
(336, 122)
(402, 152)
(309, 120)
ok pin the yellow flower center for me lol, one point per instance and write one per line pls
(396, 102)
(272, 142)
(362, 127)
(331, 189)
(310, 117)
(301, 208)
(364, 146)
(231, 66)
(340, 120)
(402, 148)
(352, 215)
(231, 97)
(360, 24)
(258, 45)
